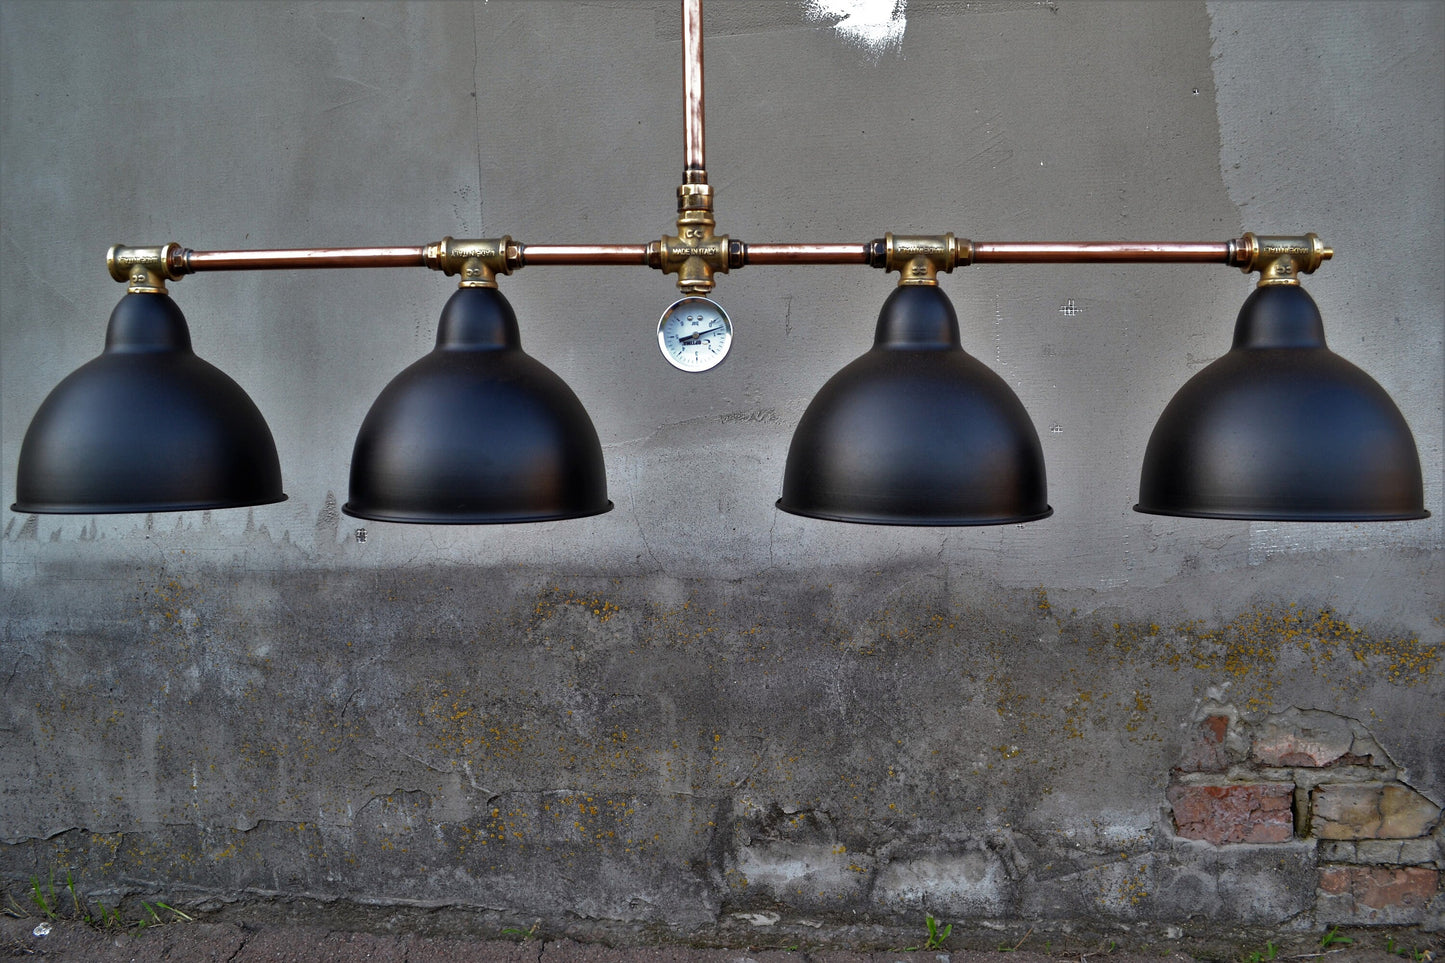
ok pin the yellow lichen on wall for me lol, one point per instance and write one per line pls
(1251, 648)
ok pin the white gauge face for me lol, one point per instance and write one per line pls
(694, 334)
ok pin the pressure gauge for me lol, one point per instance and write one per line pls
(694, 334)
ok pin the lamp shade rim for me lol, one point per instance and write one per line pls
(448, 518)
(1278, 516)
(916, 520)
(135, 508)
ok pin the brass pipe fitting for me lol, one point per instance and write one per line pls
(478, 261)
(694, 253)
(145, 270)
(919, 258)
(1280, 259)
(694, 195)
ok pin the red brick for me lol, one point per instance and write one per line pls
(1238, 813)
(1381, 887)
(1335, 880)
(1302, 738)
(1204, 752)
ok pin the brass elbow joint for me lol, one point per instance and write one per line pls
(477, 261)
(145, 270)
(1280, 260)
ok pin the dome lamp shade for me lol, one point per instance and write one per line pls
(916, 432)
(477, 432)
(146, 427)
(1282, 429)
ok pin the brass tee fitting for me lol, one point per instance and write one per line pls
(1281, 259)
(919, 258)
(478, 261)
(145, 270)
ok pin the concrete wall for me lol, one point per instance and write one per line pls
(695, 706)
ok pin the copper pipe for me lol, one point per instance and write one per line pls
(337, 257)
(805, 254)
(581, 254)
(694, 169)
(184, 261)
(1095, 252)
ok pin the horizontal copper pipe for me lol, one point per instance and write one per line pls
(1012, 252)
(184, 261)
(583, 254)
(1094, 252)
(805, 253)
(336, 257)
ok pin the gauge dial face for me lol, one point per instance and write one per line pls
(694, 334)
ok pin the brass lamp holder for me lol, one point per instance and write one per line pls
(918, 259)
(477, 261)
(145, 270)
(1281, 260)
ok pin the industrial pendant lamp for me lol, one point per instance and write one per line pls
(477, 431)
(1281, 428)
(916, 432)
(147, 426)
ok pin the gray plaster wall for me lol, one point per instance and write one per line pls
(696, 706)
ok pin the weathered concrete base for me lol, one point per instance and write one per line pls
(341, 933)
(669, 753)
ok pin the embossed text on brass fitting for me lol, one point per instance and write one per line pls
(1281, 259)
(145, 270)
(478, 261)
(919, 258)
(694, 253)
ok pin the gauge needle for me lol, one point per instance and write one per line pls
(697, 336)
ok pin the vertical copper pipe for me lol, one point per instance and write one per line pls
(694, 169)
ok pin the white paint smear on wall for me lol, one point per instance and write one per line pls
(874, 25)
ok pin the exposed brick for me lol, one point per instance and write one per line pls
(1381, 887)
(1238, 813)
(1204, 749)
(1370, 811)
(1407, 814)
(1397, 852)
(1303, 738)
(1381, 852)
(1335, 880)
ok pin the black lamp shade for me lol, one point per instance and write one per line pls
(477, 432)
(1281, 428)
(146, 427)
(916, 432)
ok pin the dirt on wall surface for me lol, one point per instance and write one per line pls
(681, 754)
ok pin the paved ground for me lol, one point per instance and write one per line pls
(237, 942)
